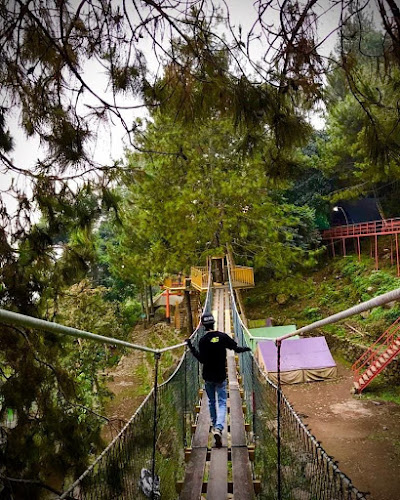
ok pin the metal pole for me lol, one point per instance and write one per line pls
(40, 324)
(278, 416)
(172, 347)
(391, 250)
(13, 318)
(344, 213)
(157, 356)
(364, 306)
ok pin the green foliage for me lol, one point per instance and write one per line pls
(45, 374)
(67, 374)
(179, 210)
(131, 311)
(380, 390)
(312, 313)
(36, 383)
(293, 287)
(368, 284)
(363, 150)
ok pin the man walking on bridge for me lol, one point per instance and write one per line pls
(212, 355)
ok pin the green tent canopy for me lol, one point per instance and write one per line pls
(269, 332)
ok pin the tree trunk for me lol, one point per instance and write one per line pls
(151, 302)
(189, 311)
(146, 303)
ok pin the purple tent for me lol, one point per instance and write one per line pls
(302, 360)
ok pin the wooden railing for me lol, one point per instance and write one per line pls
(243, 275)
(199, 276)
(384, 226)
(174, 282)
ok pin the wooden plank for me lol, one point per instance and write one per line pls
(232, 370)
(242, 481)
(194, 473)
(241, 468)
(192, 486)
(238, 434)
(217, 488)
(228, 323)
(200, 438)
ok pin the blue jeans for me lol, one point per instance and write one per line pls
(217, 416)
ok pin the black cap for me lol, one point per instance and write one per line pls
(207, 319)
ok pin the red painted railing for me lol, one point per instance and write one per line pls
(384, 226)
(376, 350)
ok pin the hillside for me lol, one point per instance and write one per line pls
(336, 285)
(360, 432)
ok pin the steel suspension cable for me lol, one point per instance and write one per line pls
(13, 318)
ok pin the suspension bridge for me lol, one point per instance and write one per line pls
(165, 451)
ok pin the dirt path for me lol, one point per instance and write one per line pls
(124, 382)
(132, 379)
(364, 436)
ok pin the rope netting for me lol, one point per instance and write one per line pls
(289, 461)
(147, 457)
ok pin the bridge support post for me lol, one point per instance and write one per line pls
(376, 253)
(167, 307)
(397, 254)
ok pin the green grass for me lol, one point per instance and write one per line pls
(256, 323)
(379, 390)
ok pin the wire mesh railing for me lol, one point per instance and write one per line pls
(146, 459)
(289, 461)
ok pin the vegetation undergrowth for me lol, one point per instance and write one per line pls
(137, 379)
(337, 284)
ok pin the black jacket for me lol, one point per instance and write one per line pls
(212, 354)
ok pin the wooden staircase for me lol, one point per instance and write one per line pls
(377, 357)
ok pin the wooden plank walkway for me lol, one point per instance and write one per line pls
(193, 484)
(242, 479)
(217, 486)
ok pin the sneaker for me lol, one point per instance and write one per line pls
(218, 437)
